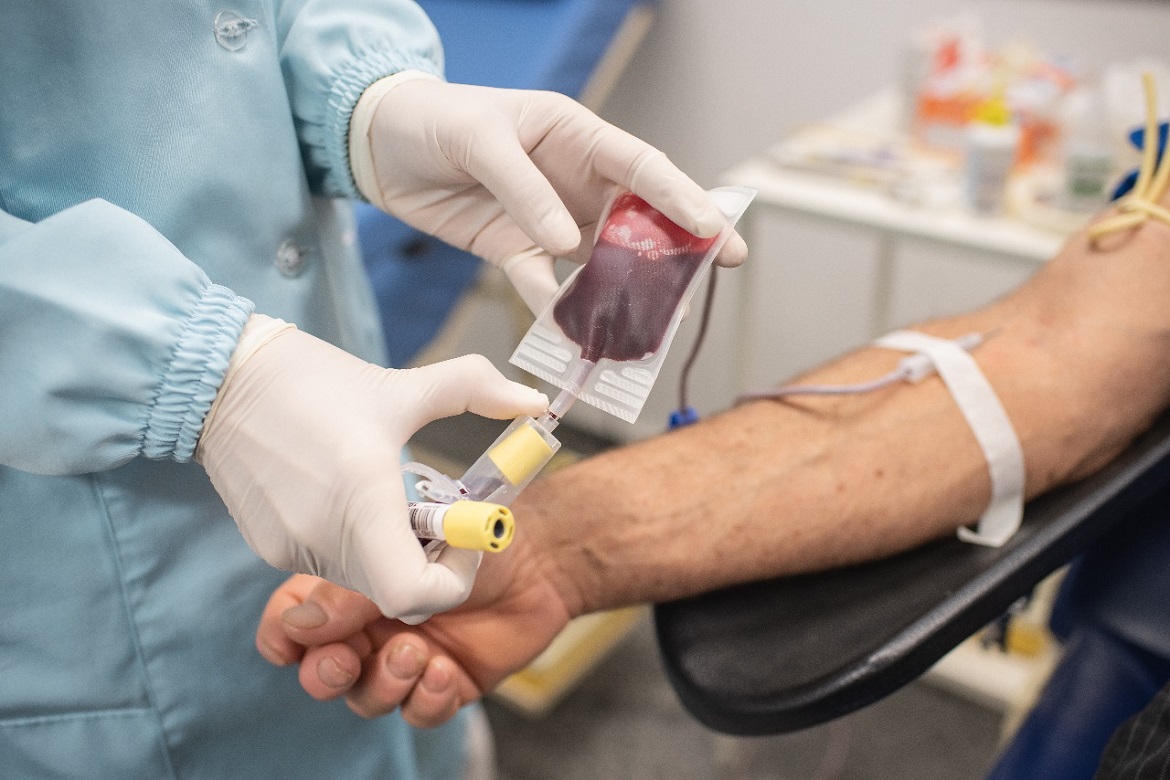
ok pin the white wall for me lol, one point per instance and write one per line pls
(718, 80)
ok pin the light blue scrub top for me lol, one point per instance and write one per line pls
(162, 167)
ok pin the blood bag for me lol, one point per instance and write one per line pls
(606, 332)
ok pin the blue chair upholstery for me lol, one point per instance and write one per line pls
(531, 44)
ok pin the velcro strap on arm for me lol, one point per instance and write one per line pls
(989, 423)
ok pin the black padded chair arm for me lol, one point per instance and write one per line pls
(790, 653)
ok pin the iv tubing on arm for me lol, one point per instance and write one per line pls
(977, 401)
(913, 368)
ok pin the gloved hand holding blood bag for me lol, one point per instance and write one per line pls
(607, 330)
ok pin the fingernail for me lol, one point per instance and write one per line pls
(404, 662)
(709, 221)
(437, 678)
(733, 253)
(558, 223)
(331, 673)
(305, 616)
(272, 654)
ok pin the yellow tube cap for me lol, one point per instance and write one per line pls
(520, 455)
(478, 525)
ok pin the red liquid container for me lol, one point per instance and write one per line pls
(604, 338)
(620, 305)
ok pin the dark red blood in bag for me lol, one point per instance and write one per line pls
(620, 304)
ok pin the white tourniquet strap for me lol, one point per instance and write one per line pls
(989, 422)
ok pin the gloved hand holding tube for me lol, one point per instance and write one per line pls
(517, 177)
(303, 444)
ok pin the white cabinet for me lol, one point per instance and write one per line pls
(817, 286)
(808, 292)
(932, 279)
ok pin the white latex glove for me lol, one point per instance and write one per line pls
(517, 177)
(303, 443)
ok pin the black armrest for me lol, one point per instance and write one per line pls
(793, 652)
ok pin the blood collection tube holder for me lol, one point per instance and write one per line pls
(515, 458)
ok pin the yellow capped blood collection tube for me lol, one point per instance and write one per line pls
(482, 520)
(471, 525)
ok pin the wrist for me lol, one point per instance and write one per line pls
(607, 532)
(556, 556)
(361, 156)
(258, 330)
